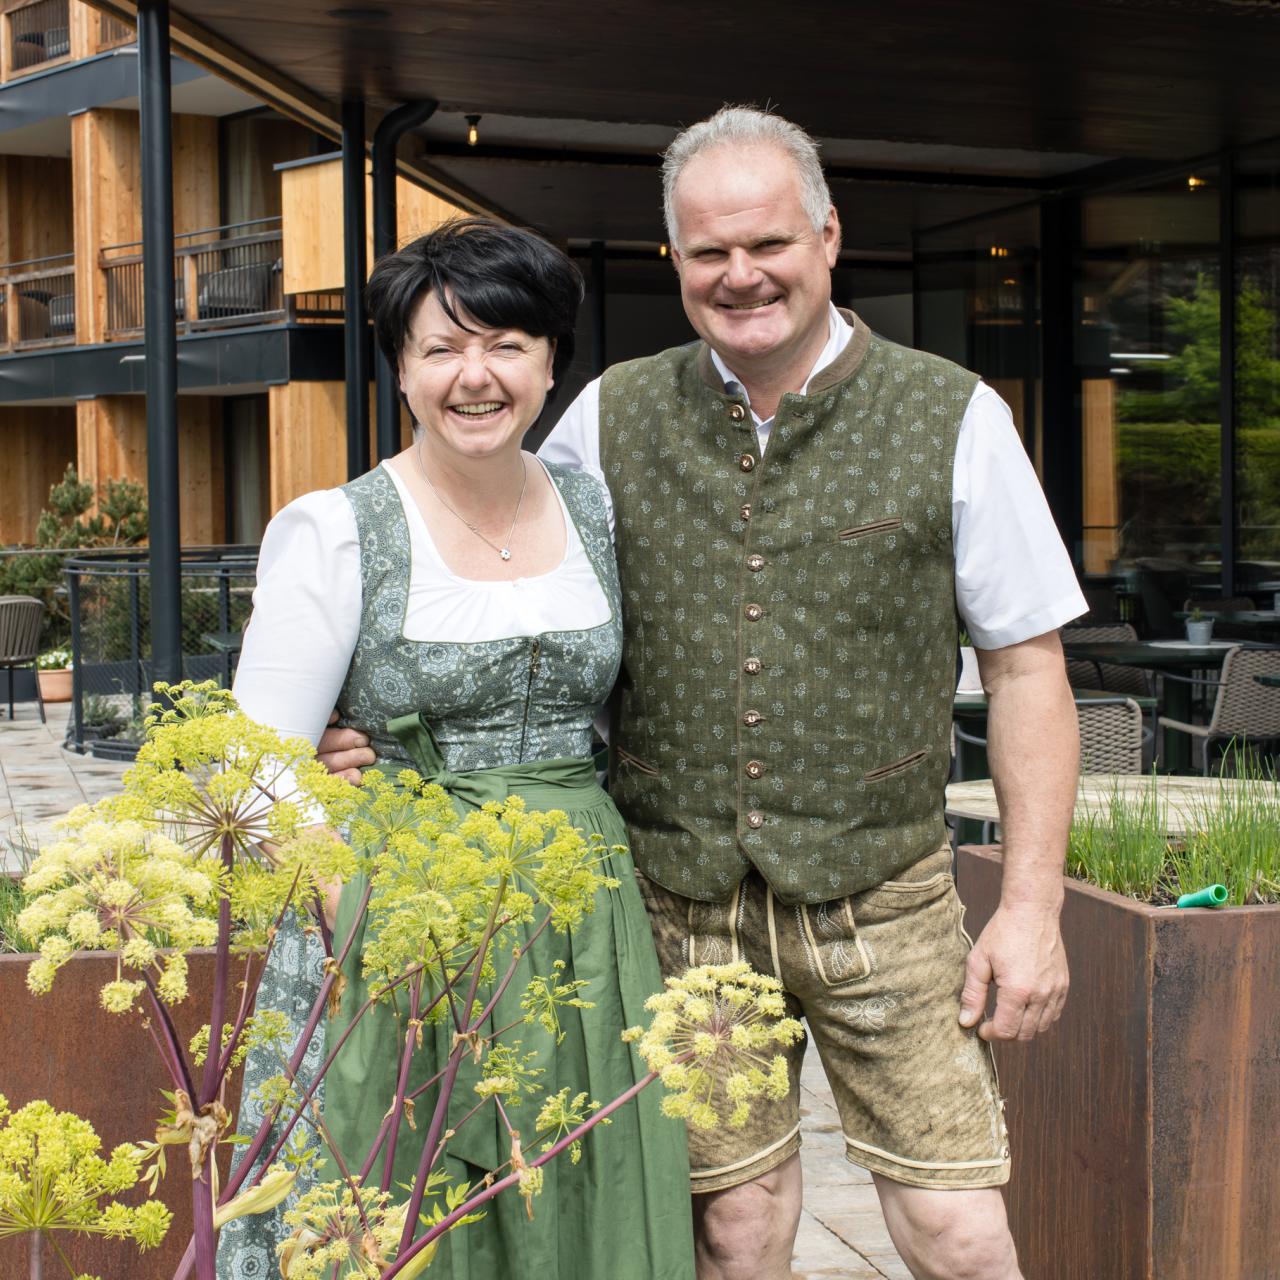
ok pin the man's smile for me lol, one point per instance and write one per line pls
(751, 306)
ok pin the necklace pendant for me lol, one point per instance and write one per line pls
(504, 553)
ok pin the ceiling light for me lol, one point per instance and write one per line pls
(663, 250)
(1194, 183)
(473, 131)
(999, 251)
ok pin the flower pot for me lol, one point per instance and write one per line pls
(1200, 632)
(55, 686)
(1143, 1125)
(970, 681)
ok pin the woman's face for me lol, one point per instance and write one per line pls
(477, 392)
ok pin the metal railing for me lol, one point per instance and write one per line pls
(109, 599)
(222, 276)
(111, 31)
(39, 33)
(39, 304)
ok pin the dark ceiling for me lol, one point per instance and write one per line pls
(1027, 89)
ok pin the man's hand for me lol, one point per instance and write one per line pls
(343, 751)
(1033, 747)
(1021, 951)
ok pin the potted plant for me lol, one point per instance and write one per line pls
(144, 883)
(1199, 627)
(53, 670)
(1142, 1125)
(970, 680)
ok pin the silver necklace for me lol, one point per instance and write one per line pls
(505, 550)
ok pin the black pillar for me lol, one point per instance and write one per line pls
(390, 129)
(355, 265)
(1227, 368)
(598, 282)
(160, 339)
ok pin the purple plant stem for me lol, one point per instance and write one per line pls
(402, 1082)
(37, 1256)
(204, 1236)
(175, 1060)
(483, 1197)
(221, 973)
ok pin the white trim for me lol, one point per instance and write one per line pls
(924, 1164)
(742, 1164)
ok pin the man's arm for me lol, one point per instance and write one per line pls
(1033, 745)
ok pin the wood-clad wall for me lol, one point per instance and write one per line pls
(1101, 488)
(309, 438)
(37, 443)
(106, 174)
(311, 193)
(35, 207)
(253, 146)
(111, 444)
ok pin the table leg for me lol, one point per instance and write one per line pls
(1176, 753)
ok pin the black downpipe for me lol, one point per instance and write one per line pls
(355, 269)
(391, 128)
(161, 339)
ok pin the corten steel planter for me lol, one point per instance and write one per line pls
(63, 1047)
(1145, 1126)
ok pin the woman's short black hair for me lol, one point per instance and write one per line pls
(502, 277)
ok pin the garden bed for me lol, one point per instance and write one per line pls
(1143, 1126)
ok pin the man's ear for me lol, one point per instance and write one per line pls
(831, 237)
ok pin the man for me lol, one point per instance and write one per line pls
(801, 508)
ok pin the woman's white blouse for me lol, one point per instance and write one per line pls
(306, 606)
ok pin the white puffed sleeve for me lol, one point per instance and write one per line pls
(306, 616)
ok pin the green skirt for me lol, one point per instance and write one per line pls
(623, 1210)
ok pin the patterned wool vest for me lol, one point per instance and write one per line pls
(789, 662)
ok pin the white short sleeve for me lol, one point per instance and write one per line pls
(306, 616)
(575, 440)
(1014, 579)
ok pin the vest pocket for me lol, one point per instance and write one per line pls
(625, 757)
(896, 767)
(875, 526)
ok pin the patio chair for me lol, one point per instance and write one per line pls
(1243, 709)
(1106, 675)
(1111, 736)
(20, 619)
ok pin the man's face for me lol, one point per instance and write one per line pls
(754, 275)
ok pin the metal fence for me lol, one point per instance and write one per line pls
(38, 34)
(39, 301)
(111, 31)
(222, 275)
(109, 597)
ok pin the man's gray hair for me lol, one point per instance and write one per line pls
(747, 127)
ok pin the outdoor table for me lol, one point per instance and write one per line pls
(1180, 797)
(1177, 656)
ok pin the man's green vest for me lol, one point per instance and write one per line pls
(789, 662)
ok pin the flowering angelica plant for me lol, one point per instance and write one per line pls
(223, 828)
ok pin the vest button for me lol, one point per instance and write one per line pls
(737, 412)
(751, 718)
(755, 563)
(752, 666)
(746, 511)
(755, 819)
(754, 612)
(755, 769)
(747, 462)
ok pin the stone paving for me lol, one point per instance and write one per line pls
(842, 1232)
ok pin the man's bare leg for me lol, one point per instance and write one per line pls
(949, 1235)
(748, 1232)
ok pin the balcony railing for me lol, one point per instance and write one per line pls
(38, 33)
(222, 276)
(111, 32)
(39, 302)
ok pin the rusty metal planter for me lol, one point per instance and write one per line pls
(1145, 1126)
(64, 1048)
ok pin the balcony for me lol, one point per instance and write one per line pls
(38, 303)
(38, 34)
(223, 276)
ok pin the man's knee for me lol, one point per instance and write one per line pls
(950, 1235)
(753, 1219)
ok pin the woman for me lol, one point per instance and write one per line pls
(465, 580)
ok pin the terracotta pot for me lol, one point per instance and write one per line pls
(1143, 1125)
(55, 686)
(64, 1048)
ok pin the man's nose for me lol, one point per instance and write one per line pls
(741, 271)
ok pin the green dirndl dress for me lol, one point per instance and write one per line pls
(509, 716)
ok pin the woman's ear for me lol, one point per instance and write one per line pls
(551, 360)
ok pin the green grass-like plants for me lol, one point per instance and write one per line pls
(1123, 846)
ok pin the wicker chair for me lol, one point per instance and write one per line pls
(20, 619)
(1242, 708)
(1106, 675)
(1111, 736)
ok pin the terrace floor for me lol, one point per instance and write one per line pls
(842, 1233)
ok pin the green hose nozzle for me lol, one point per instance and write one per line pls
(1213, 895)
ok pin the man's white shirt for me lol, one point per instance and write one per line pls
(1014, 579)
